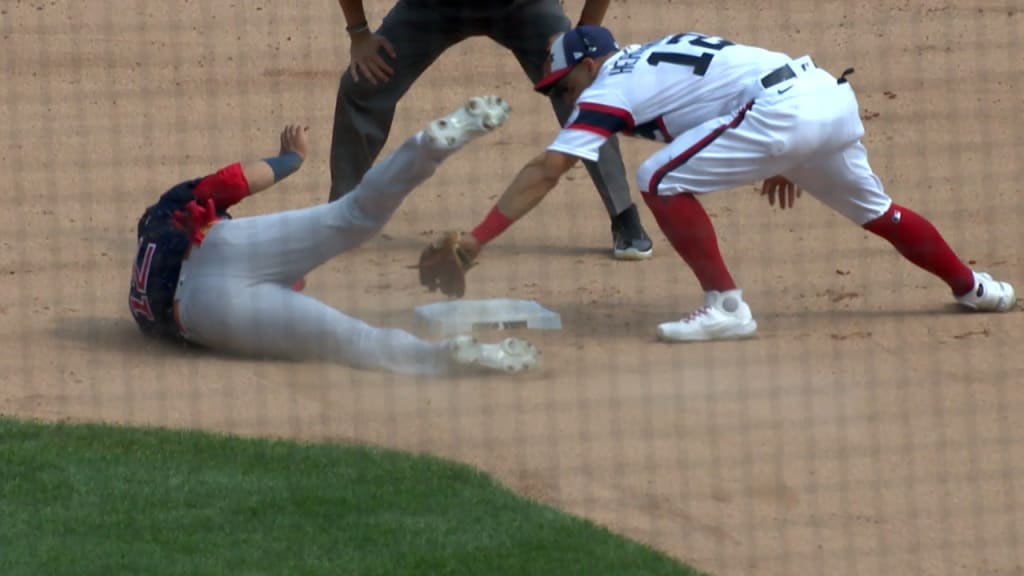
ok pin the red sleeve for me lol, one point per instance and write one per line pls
(226, 187)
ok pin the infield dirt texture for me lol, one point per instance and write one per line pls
(870, 429)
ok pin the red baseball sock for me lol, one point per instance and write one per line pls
(688, 228)
(918, 240)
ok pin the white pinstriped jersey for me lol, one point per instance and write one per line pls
(663, 88)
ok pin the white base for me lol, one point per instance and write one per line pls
(454, 317)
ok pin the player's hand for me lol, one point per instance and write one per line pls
(783, 188)
(366, 61)
(294, 138)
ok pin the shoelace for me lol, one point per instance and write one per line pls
(697, 313)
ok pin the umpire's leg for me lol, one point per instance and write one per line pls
(525, 30)
(363, 112)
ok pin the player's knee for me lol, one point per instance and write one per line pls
(655, 177)
(645, 175)
(649, 198)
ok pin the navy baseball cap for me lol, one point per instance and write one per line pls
(570, 48)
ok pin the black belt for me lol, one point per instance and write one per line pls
(784, 72)
(777, 76)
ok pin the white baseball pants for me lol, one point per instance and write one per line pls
(807, 129)
(234, 293)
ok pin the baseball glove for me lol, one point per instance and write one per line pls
(443, 265)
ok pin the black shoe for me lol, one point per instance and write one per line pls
(629, 241)
(632, 247)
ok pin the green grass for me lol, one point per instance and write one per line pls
(82, 500)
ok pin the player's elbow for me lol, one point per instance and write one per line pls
(554, 165)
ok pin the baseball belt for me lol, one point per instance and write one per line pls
(786, 72)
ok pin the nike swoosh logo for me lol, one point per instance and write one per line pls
(784, 90)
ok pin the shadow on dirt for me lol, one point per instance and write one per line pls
(117, 335)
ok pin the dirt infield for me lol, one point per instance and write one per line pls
(869, 429)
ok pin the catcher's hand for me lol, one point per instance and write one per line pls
(443, 264)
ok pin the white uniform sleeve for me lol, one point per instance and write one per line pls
(597, 116)
(579, 143)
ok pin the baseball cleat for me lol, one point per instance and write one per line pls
(480, 115)
(724, 316)
(509, 355)
(988, 295)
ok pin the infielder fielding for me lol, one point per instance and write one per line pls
(385, 63)
(227, 284)
(729, 115)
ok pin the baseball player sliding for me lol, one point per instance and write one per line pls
(230, 284)
(729, 115)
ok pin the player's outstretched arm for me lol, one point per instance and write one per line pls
(444, 263)
(529, 187)
(533, 182)
(229, 185)
(262, 174)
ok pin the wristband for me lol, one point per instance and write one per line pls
(494, 224)
(284, 165)
(357, 28)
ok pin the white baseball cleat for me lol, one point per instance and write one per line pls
(723, 316)
(509, 355)
(988, 295)
(480, 115)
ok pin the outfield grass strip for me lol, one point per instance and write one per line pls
(89, 499)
